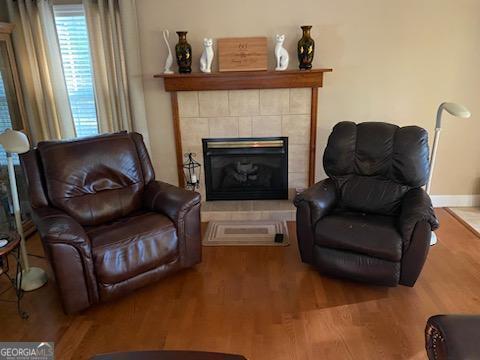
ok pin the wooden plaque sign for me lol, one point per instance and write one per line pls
(242, 54)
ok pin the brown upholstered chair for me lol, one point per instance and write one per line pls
(106, 225)
(370, 220)
(453, 337)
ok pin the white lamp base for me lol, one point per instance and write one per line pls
(433, 239)
(33, 279)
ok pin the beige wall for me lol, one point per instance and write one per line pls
(393, 61)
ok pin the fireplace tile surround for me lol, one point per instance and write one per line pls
(248, 210)
(246, 80)
(249, 113)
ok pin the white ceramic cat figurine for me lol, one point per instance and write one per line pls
(207, 56)
(169, 60)
(281, 53)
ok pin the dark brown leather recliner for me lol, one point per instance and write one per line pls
(106, 225)
(370, 220)
(453, 337)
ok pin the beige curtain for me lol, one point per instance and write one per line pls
(109, 65)
(41, 72)
(129, 19)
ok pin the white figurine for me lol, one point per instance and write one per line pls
(169, 60)
(281, 53)
(207, 56)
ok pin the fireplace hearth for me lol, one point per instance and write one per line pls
(246, 168)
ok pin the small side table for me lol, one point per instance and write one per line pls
(13, 249)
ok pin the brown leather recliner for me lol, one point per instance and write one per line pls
(370, 220)
(453, 337)
(106, 225)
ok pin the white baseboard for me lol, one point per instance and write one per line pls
(455, 200)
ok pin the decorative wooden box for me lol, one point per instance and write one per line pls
(242, 54)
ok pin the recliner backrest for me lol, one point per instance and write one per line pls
(95, 179)
(374, 164)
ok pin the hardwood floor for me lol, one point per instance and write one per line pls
(265, 304)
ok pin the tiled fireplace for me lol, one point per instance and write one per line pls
(247, 104)
(249, 114)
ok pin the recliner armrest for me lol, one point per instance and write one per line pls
(56, 226)
(170, 200)
(70, 252)
(183, 208)
(320, 197)
(416, 206)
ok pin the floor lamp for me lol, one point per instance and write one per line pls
(16, 142)
(455, 110)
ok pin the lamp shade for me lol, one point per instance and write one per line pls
(14, 141)
(453, 109)
(456, 110)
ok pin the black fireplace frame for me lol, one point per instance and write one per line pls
(264, 150)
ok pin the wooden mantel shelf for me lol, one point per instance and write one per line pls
(244, 80)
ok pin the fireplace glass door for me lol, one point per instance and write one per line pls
(246, 168)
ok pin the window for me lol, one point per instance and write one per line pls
(74, 47)
(5, 121)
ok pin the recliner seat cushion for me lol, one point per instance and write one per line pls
(130, 246)
(372, 235)
(91, 182)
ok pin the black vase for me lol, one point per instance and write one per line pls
(183, 51)
(305, 49)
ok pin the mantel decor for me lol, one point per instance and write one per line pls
(183, 51)
(312, 79)
(169, 60)
(242, 54)
(306, 49)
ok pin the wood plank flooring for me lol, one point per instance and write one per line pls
(262, 303)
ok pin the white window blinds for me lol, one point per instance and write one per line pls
(74, 47)
(5, 121)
